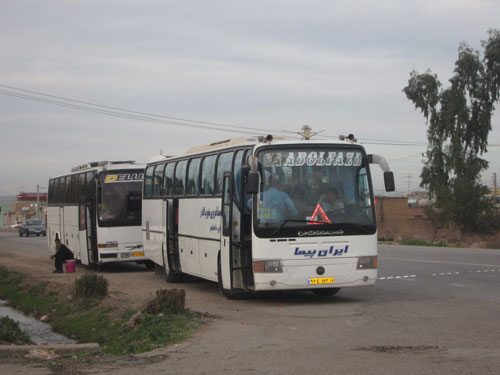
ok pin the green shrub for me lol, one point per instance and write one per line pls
(10, 333)
(91, 285)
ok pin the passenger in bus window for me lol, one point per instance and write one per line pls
(275, 204)
(330, 201)
(62, 254)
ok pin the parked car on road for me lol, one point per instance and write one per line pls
(32, 226)
(16, 225)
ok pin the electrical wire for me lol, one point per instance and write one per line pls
(175, 121)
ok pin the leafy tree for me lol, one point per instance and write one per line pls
(459, 121)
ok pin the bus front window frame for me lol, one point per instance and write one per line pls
(302, 183)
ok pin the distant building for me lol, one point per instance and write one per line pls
(25, 206)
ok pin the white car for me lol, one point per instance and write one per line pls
(16, 225)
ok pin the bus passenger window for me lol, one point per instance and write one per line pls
(192, 178)
(180, 177)
(148, 182)
(158, 181)
(207, 175)
(223, 165)
(168, 181)
(238, 160)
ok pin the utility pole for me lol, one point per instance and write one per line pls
(495, 186)
(37, 201)
(409, 180)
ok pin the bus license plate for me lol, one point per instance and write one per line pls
(138, 254)
(321, 280)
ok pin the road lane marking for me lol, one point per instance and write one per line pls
(463, 285)
(436, 274)
(441, 262)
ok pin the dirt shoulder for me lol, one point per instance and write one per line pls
(130, 286)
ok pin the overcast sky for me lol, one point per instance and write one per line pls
(273, 66)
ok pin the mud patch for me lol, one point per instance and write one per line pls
(396, 349)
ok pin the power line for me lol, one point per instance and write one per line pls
(177, 119)
(169, 120)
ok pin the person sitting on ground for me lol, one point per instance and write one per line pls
(62, 254)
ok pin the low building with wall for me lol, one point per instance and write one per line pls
(25, 206)
(399, 222)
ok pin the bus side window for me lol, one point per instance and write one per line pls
(51, 191)
(57, 191)
(168, 181)
(193, 177)
(224, 164)
(148, 182)
(238, 160)
(180, 177)
(89, 180)
(81, 185)
(158, 181)
(207, 175)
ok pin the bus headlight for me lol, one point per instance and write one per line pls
(370, 262)
(267, 266)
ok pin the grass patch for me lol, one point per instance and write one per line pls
(416, 242)
(10, 333)
(87, 320)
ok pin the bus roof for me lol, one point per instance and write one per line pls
(251, 141)
(227, 143)
(102, 166)
(96, 164)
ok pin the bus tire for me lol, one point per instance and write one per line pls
(229, 294)
(170, 276)
(324, 292)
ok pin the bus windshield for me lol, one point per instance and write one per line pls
(308, 192)
(120, 197)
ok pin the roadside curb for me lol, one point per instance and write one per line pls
(55, 348)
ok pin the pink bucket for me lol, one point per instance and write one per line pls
(70, 265)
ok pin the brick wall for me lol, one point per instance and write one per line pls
(396, 221)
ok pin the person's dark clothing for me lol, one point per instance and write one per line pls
(62, 254)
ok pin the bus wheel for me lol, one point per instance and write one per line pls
(170, 276)
(326, 291)
(228, 293)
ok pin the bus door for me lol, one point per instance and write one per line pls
(82, 231)
(225, 269)
(87, 231)
(171, 209)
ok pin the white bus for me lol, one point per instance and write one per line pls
(215, 213)
(96, 211)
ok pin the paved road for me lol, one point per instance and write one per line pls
(433, 310)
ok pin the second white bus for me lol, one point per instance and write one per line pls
(96, 211)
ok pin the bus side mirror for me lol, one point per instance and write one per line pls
(389, 181)
(252, 183)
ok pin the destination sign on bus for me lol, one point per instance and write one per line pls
(313, 158)
(124, 177)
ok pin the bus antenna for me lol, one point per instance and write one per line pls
(306, 133)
